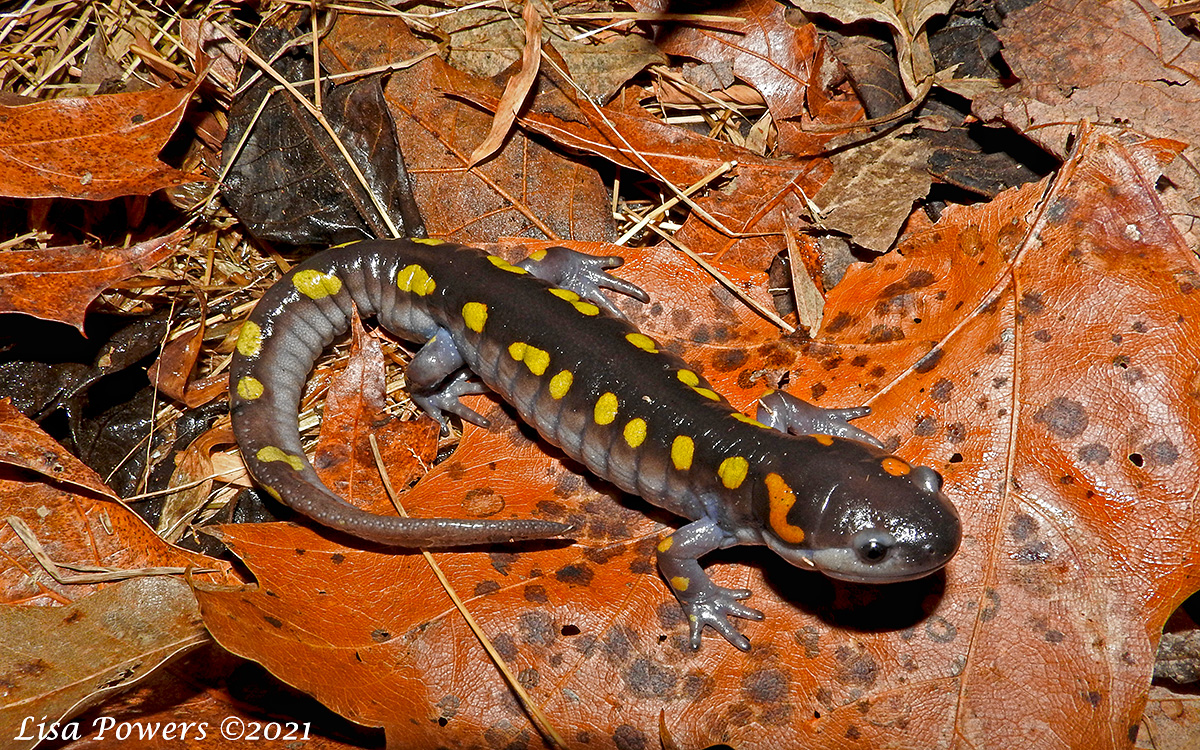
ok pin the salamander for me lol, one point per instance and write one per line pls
(819, 492)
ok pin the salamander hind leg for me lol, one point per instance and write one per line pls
(704, 602)
(437, 379)
(583, 274)
(786, 413)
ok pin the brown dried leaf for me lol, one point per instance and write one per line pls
(60, 282)
(91, 148)
(57, 661)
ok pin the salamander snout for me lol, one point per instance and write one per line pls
(883, 520)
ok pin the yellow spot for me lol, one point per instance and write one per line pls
(250, 339)
(707, 393)
(895, 466)
(748, 420)
(504, 265)
(780, 499)
(428, 240)
(537, 360)
(475, 315)
(274, 493)
(606, 408)
(560, 384)
(416, 280)
(682, 450)
(537, 254)
(249, 388)
(635, 432)
(566, 294)
(732, 471)
(586, 308)
(271, 453)
(642, 341)
(825, 440)
(316, 284)
(665, 544)
(687, 377)
(680, 583)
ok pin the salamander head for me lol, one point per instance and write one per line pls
(860, 515)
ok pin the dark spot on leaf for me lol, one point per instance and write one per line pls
(852, 732)
(483, 588)
(925, 426)
(1094, 453)
(274, 622)
(505, 646)
(881, 334)
(1093, 697)
(1034, 552)
(1042, 335)
(1059, 209)
(1031, 302)
(727, 360)
(501, 561)
(878, 371)
(1162, 453)
(536, 627)
(601, 555)
(1023, 526)
(1064, 417)
(939, 629)
(379, 636)
(1054, 636)
(528, 678)
(765, 686)
(670, 615)
(627, 737)
(991, 605)
(1136, 459)
(618, 643)
(855, 667)
(137, 118)
(696, 685)
(840, 322)
(680, 318)
(956, 432)
(536, 593)
(337, 558)
(832, 363)
(570, 630)
(941, 390)
(809, 638)
(817, 391)
(860, 361)
(646, 679)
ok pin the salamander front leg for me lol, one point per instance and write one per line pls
(437, 379)
(786, 413)
(583, 274)
(704, 602)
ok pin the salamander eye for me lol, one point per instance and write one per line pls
(872, 546)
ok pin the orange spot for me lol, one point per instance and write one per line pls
(824, 440)
(781, 499)
(895, 466)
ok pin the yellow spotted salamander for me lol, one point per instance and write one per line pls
(819, 492)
